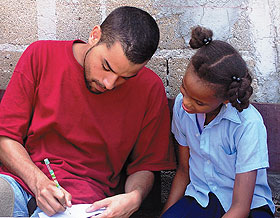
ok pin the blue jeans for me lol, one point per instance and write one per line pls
(21, 199)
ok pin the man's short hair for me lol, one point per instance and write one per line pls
(135, 29)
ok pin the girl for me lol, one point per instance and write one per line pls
(223, 151)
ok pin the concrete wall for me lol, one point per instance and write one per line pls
(252, 26)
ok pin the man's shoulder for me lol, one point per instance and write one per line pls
(48, 48)
(47, 43)
(149, 81)
(146, 71)
(149, 76)
(146, 84)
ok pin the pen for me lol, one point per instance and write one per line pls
(47, 162)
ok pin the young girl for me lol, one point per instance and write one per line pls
(223, 150)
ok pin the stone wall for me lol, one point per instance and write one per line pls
(251, 26)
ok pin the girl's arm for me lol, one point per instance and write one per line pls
(243, 191)
(181, 179)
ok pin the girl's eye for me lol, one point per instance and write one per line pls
(199, 103)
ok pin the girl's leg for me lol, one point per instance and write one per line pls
(188, 207)
(261, 212)
(178, 210)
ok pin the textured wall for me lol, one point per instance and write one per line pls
(252, 26)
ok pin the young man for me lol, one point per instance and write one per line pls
(95, 111)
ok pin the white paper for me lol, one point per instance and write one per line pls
(78, 210)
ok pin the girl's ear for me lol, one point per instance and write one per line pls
(95, 35)
(226, 102)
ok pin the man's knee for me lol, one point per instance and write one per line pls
(6, 199)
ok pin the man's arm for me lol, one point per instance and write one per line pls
(16, 159)
(140, 184)
(137, 187)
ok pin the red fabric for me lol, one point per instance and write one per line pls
(87, 137)
(1, 93)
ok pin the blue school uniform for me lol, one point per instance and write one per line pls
(233, 142)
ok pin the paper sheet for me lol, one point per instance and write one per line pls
(78, 210)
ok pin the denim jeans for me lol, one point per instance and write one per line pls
(21, 199)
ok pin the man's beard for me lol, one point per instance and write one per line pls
(87, 81)
(89, 86)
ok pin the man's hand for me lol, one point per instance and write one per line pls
(137, 187)
(48, 197)
(51, 199)
(123, 205)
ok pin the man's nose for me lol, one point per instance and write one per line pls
(110, 81)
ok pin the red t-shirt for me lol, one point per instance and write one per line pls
(88, 138)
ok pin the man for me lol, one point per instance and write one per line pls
(95, 111)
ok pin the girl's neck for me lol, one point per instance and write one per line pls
(211, 115)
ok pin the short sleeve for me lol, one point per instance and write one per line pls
(16, 105)
(152, 150)
(178, 126)
(251, 145)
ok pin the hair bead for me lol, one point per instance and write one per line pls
(207, 40)
(235, 78)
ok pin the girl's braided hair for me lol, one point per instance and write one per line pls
(218, 63)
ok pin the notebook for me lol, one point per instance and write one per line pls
(77, 210)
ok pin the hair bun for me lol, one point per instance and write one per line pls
(200, 36)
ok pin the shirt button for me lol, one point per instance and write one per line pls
(197, 134)
(215, 188)
(208, 161)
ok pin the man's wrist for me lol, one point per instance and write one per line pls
(136, 197)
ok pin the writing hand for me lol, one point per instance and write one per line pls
(51, 199)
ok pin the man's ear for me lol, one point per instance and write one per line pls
(95, 35)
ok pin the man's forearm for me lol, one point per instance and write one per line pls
(16, 159)
(140, 183)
